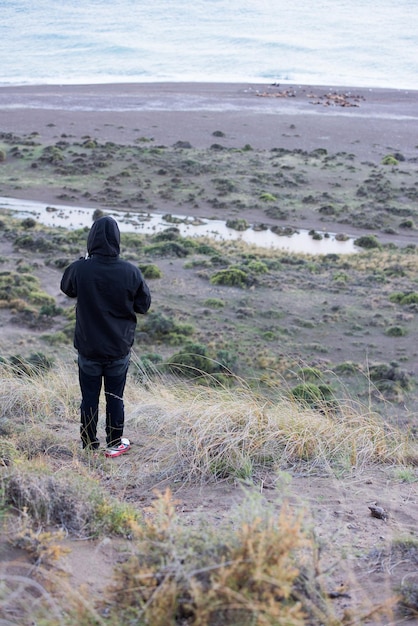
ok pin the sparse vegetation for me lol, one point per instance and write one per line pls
(316, 403)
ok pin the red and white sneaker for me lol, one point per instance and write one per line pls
(123, 447)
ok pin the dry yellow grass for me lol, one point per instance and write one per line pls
(194, 435)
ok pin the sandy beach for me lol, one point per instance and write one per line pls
(368, 122)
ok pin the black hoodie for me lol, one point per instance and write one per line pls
(109, 293)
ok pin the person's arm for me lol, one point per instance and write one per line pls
(142, 300)
(68, 283)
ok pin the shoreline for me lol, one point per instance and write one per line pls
(265, 116)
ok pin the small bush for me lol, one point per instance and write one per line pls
(314, 395)
(407, 224)
(346, 368)
(28, 222)
(151, 271)
(389, 159)
(397, 297)
(410, 298)
(36, 363)
(267, 197)
(395, 331)
(247, 574)
(161, 328)
(50, 309)
(215, 303)
(258, 267)
(389, 378)
(309, 373)
(368, 242)
(82, 510)
(237, 224)
(231, 277)
(169, 234)
(41, 298)
(196, 360)
(55, 339)
(167, 248)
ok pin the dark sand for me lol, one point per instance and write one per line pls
(367, 122)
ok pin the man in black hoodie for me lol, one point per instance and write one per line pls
(109, 293)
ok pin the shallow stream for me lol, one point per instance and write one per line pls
(129, 221)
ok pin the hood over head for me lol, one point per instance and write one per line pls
(104, 237)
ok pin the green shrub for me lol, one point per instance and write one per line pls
(37, 244)
(267, 197)
(312, 394)
(407, 224)
(62, 262)
(258, 267)
(381, 374)
(168, 234)
(309, 373)
(239, 224)
(15, 285)
(196, 360)
(41, 298)
(389, 159)
(55, 339)
(346, 368)
(395, 331)
(90, 144)
(162, 328)
(231, 277)
(410, 298)
(50, 309)
(52, 154)
(146, 366)
(215, 303)
(28, 222)
(368, 242)
(167, 248)
(151, 271)
(204, 248)
(59, 499)
(397, 296)
(341, 277)
(192, 361)
(36, 363)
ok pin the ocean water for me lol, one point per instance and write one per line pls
(363, 43)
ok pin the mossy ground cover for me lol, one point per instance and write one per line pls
(219, 182)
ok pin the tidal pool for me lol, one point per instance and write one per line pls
(141, 222)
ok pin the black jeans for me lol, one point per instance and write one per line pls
(91, 373)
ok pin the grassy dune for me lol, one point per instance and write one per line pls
(263, 560)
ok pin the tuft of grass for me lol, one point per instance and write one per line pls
(201, 429)
(389, 159)
(73, 503)
(151, 271)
